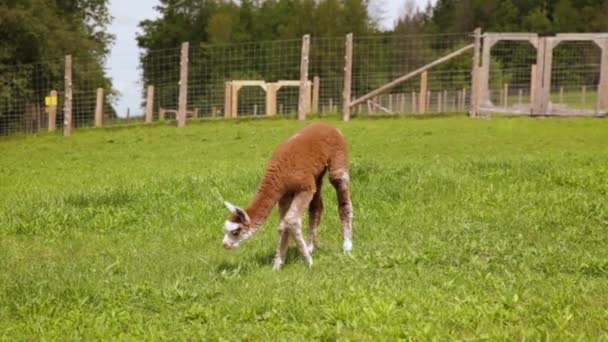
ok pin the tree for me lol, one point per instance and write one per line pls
(566, 18)
(537, 21)
(37, 34)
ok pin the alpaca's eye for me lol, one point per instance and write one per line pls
(235, 232)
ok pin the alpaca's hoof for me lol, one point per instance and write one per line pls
(310, 247)
(347, 246)
(276, 265)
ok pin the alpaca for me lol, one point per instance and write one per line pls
(293, 178)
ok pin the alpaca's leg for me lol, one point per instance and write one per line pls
(341, 182)
(314, 216)
(279, 259)
(293, 220)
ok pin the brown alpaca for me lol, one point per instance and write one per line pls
(293, 179)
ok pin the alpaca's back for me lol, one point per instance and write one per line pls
(298, 161)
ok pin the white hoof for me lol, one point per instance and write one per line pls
(347, 246)
(311, 247)
(276, 264)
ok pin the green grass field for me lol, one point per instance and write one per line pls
(464, 229)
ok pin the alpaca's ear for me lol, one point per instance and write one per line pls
(242, 215)
(231, 207)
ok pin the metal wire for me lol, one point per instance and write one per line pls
(377, 59)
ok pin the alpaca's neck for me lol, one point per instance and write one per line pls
(260, 207)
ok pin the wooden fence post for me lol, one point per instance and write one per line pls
(67, 109)
(423, 92)
(150, 104)
(348, 72)
(183, 86)
(227, 99)
(542, 86)
(303, 77)
(99, 108)
(602, 95)
(532, 84)
(52, 106)
(234, 101)
(506, 95)
(271, 99)
(315, 94)
(475, 77)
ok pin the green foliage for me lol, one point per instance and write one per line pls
(520, 15)
(37, 34)
(464, 229)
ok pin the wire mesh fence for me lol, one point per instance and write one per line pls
(381, 59)
(575, 75)
(23, 89)
(511, 70)
(263, 78)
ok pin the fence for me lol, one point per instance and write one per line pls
(388, 74)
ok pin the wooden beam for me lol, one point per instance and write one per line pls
(533, 89)
(303, 77)
(483, 74)
(67, 109)
(234, 104)
(406, 77)
(602, 95)
(315, 94)
(475, 74)
(250, 83)
(183, 86)
(52, 125)
(149, 104)
(348, 70)
(308, 102)
(271, 99)
(423, 92)
(227, 99)
(99, 108)
(542, 87)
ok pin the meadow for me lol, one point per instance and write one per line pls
(464, 229)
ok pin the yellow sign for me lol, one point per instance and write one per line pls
(50, 100)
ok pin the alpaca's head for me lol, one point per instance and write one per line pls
(237, 227)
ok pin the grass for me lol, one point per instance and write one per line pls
(464, 229)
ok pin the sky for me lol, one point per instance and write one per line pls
(123, 62)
